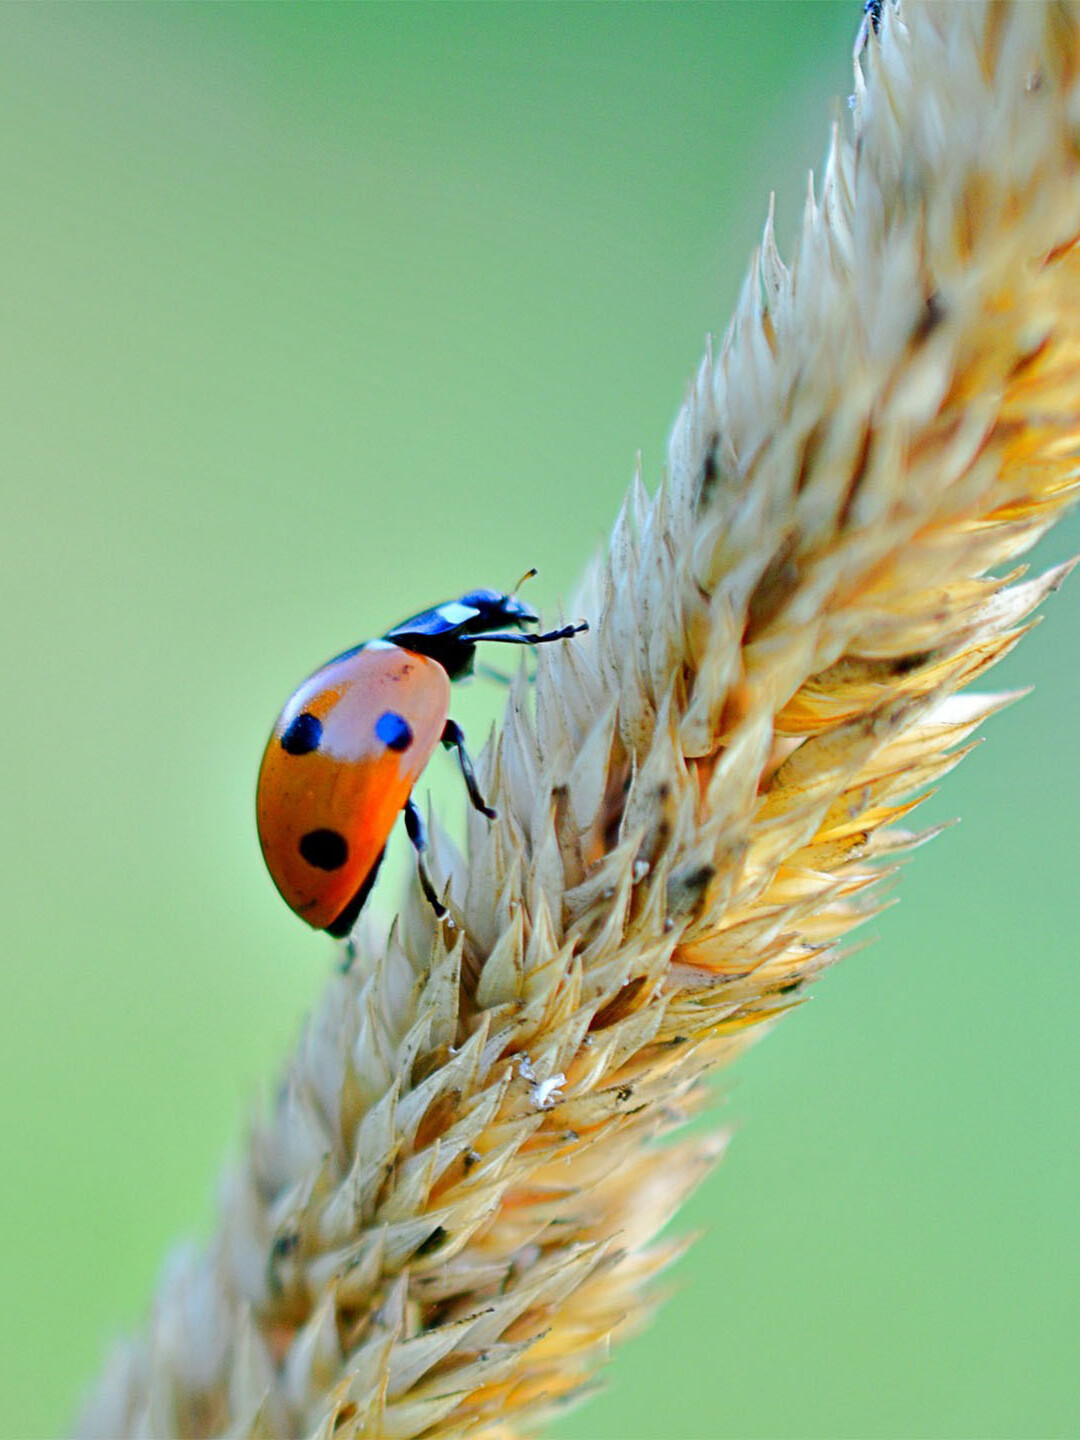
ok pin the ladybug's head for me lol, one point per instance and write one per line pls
(494, 610)
(449, 632)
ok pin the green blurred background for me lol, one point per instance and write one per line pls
(312, 317)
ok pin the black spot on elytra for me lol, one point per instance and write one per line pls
(394, 731)
(302, 734)
(325, 849)
(342, 924)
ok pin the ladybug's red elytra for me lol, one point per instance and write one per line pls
(347, 749)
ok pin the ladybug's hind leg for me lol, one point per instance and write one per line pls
(414, 828)
(489, 672)
(453, 739)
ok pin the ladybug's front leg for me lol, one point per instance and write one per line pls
(454, 739)
(530, 638)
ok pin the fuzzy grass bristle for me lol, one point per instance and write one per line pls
(452, 1207)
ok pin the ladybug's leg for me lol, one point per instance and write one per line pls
(414, 828)
(489, 672)
(511, 638)
(453, 739)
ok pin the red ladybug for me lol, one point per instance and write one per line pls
(352, 742)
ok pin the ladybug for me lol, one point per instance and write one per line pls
(347, 749)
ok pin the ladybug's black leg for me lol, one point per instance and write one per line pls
(517, 639)
(453, 739)
(489, 672)
(414, 828)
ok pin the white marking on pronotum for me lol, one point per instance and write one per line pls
(381, 645)
(454, 613)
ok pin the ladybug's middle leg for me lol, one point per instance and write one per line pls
(453, 738)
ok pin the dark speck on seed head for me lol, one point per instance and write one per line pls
(433, 1241)
(710, 470)
(929, 318)
(302, 734)
(284, 1244)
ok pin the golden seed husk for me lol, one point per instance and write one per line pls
(451, 1208)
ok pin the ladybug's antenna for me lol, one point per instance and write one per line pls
(527, 576)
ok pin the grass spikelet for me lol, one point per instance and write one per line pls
(452, 1207)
